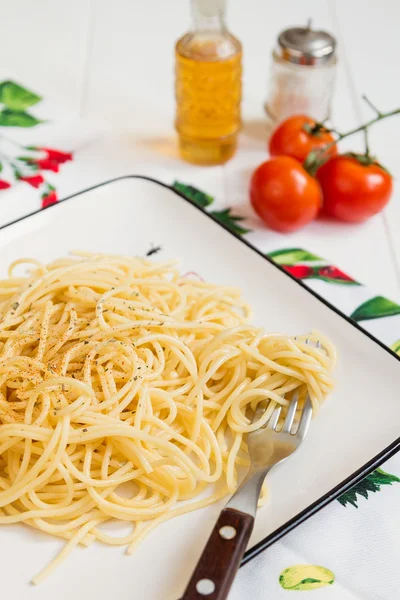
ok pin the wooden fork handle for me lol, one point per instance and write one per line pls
(220, 560)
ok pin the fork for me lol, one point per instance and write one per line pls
(221, 557)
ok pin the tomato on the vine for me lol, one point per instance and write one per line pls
(297, 136)
(354, 187)
(284, 195)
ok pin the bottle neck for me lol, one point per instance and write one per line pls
(208, 15)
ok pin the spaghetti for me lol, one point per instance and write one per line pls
(126, 391)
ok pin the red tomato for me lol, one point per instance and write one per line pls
(290, 138)
(353, 191)
(284, 195)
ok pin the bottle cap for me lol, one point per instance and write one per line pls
(306, 46)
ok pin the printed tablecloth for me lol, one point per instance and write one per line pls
(349, 550)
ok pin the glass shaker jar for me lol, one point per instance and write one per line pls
(303, 74)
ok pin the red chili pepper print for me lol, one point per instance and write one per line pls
(57, 156)
(28, 163)
(47, 165)
(49, 199)
(299, 271)
(4, 185)
(33, 180)
(51, 161)
(331, 272)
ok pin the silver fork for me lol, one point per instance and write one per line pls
(221, 557)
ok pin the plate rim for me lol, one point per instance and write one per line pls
(354, 477)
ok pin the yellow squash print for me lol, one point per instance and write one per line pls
(305, 577)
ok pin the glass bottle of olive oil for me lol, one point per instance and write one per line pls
(208, 87)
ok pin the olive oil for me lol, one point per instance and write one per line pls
(208, 87)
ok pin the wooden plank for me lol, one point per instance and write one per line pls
(131, 79)
(43, 45)
(372, 51)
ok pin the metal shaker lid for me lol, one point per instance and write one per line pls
(306, 46)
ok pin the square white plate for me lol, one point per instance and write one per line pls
(356, 430)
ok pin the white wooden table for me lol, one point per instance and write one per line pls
(113, 63)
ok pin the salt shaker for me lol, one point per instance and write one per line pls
(303, 74)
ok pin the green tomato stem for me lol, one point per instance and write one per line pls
(380, 116)
(316, 157)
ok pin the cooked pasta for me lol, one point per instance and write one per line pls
(127, 390)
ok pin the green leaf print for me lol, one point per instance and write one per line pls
(203, 200)
(16, 97)
(193, 194)
(230, 221)
(291, 256)
(375, 308)
(302, 578)
(371, 484)
(11, 118)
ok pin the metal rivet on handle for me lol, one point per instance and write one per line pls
(227, 532)
(205, 587)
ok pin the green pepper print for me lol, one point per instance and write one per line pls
(327, 273)
(375, 308)
(302, 578)
(292, 256)
(301, 265)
